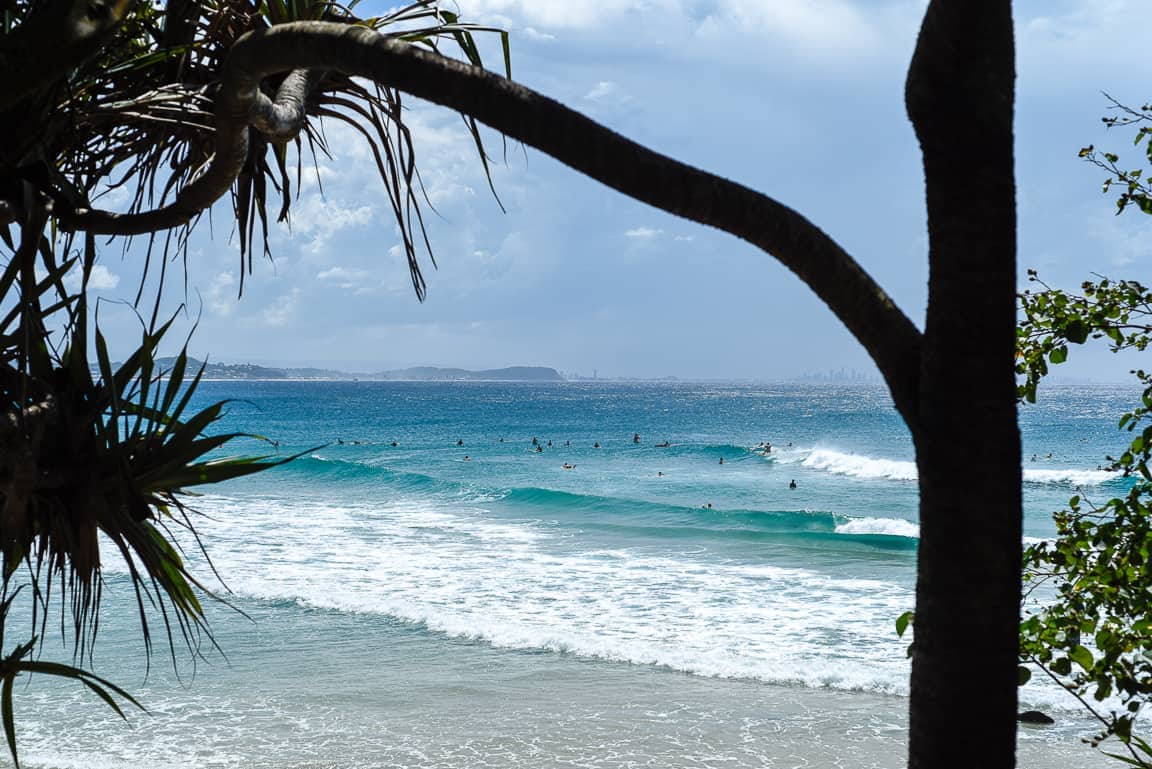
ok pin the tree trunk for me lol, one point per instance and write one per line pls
(960, 97)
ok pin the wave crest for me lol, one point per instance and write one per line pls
(875, 468)
(892, 527)
(859, 466)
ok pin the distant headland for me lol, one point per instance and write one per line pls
(418, 373)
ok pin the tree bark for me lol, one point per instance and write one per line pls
(960, 100)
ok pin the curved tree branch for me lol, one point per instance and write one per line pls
(283, 118)
(869, 313)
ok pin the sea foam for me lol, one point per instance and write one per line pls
(860, 466)
(893, 527)
(874, 468)
(514, 585)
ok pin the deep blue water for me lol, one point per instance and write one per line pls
(462, 599)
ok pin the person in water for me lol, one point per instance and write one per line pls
(567, 466)
(659, 473)
(395, 444)
(663, 445)
(792, 485)
(596, 445)
(467, 458)
(635, 437)
(459, 441)
(539, 449)
(721, 460)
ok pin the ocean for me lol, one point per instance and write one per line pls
(425, 588)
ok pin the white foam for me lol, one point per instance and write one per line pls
(895, 527)
(860, 466)
(875, 468)
(514, 585)
(1069, 476)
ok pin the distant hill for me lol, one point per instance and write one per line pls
(226, 370)
(419, 373)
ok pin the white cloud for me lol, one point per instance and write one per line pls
(100, 279)
(348, 279)
(605, 89)
(534, 34)
(561, 14)
(221, 297)
(608, 94)
(813, 25)
(282, 310)
(342, 273)
(321, 219)
(643, 233)
(819, 31)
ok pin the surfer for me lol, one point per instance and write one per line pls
(663, 445)
(596, 445)
(659, 473)
(467, 458)
(567, 466)
(539, 449)
(792, 485)
(459, 441)
(635, 437)
(395, 444)
(549, 443)
(721, 460)
(535, 441)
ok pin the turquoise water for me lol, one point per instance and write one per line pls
(410, 607)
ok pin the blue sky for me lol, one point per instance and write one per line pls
(801, 99)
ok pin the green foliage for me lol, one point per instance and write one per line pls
(1095, 637)
(1119, 311)
(1131, 185)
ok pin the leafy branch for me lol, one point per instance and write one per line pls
(1094, 637)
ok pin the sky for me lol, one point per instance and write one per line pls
(800, 99)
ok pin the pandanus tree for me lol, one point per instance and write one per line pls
(186, 104)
